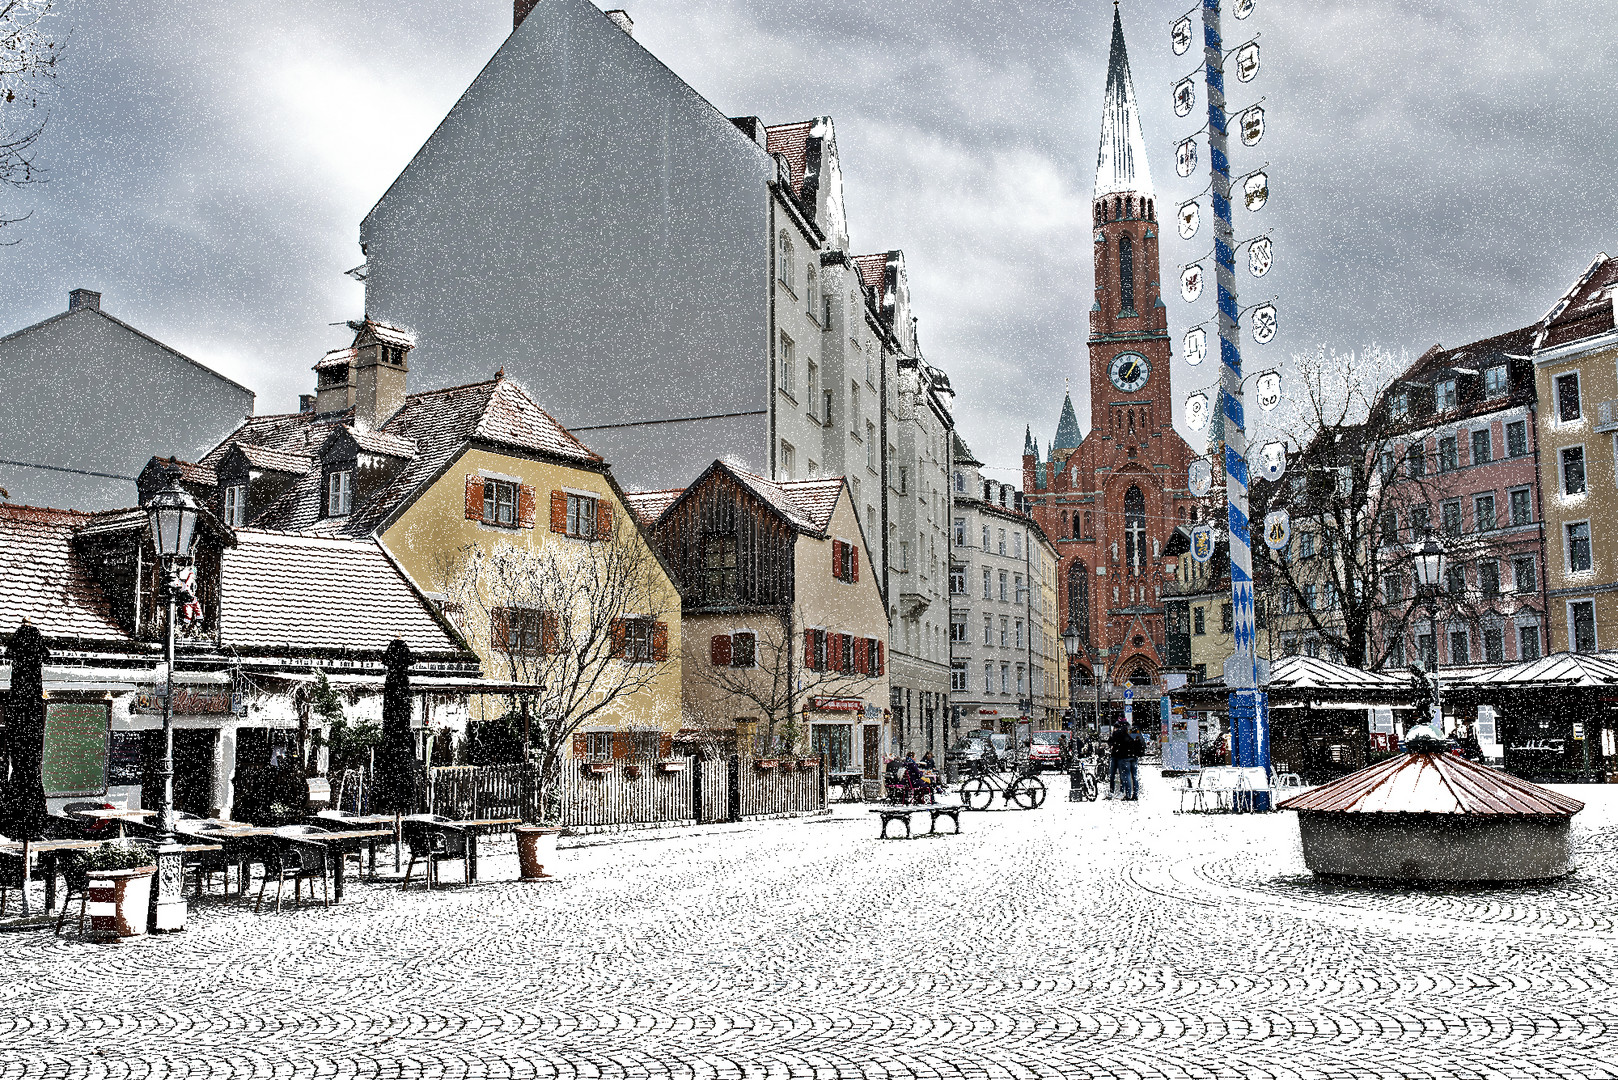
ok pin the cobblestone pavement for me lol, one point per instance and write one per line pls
(1080, 940)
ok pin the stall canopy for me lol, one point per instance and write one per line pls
(1300, 680)
(1553, 672)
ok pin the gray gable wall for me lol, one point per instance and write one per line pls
(84, 391)
(584, 220)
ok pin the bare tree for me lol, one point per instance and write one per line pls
(28, 57)
(771, 681)
(585, 621)
(1348, 575)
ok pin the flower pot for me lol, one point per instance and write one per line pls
(536, 846)
(599, 768)
(632, 772)
(119, 902)
(766, 763)
(672, 766)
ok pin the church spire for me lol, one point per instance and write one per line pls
(1029, 446)
(1121, 165)
(1067, 428)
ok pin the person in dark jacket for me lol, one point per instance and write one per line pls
(1126, 748)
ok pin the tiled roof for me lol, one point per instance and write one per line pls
(1433, 784)
(272, 460)
(437, 423)
(43, 580)
(337, 358)
(791, 141)
(873, 270)
(648, 506)
(380, 442)
(1584, 310)
(190, 471)
(817, 497)
(285, 591)
(387, 335)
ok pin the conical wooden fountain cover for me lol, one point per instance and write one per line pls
(1433, 783)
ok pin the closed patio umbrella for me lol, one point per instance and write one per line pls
(22, 815)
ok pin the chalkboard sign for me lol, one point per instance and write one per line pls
(75, 748)
(126, 757)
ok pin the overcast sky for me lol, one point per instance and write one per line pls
(1441, 169)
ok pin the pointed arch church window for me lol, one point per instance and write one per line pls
(1078, 599)
(1135, 530)
(1126, 271)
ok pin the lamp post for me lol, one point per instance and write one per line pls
(1429, 564)
(173, 517)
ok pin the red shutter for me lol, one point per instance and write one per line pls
(558, 512)
(719, 650)
(862, 657)
(603, 520)
(880, 649)
(580, 746)
(617, 632)
(834, 652)
(665, 747)
(660, 642)
(525, 506)
(548, 631)
(854, 561)
(474, 498)
(620, 745)
(836, 558)
(499, 629)
(809, 650)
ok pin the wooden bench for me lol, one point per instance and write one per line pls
(890, 814)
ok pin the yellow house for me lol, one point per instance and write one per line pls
(494, 509)
(786, 634)
(1575, 352)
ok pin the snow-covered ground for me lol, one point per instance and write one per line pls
(1091, 939)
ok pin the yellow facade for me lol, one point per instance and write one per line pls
(1580, 513)
(434, 534)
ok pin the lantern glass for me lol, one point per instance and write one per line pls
(173, 516)
(1070, 640)
(1429, 564)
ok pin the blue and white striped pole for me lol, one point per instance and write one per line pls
(1249, 704)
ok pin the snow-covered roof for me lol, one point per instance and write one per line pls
(1557, 669)
(1438, 783)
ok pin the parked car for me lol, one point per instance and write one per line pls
(1046, 749)
(975, 745)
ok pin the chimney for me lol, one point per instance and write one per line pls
(520, 10)
(306, 403)
(83, 298)
(620, 18)
(381, 367)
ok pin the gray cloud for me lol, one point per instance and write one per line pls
(1441, 170)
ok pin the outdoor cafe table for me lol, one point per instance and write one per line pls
(472, 829)
(346, 841)
(121, 816)
(51, 850)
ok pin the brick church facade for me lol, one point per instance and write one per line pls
(1112, 499)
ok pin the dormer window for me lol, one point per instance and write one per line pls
(339, 492)
(1444, 396)
(1495, 382)
(235, 504)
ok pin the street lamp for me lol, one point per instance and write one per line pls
(1429, 563)
(173, 517)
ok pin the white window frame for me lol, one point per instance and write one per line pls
(1556, 396)
(1561, 471)
(788, 364)
(1529, 492)
(1446, 395)
(339, 492)
(1567, 548)
(1506, 431)
(812, 384)
(1505, 381)
(235, 504)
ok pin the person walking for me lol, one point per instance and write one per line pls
(1126, 748)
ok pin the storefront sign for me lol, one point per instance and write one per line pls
(837, 704)
(188, 701)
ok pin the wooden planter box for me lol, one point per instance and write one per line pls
(120, 902)
(766, 763)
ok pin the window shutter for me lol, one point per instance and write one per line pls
(836, 558)
(474, 498)
(500, 629)
(617, 632)
(665, 747)
(834, 652)
(547, 631)
(620, 745)
(719, 650)
(854, 561)
(525, 506)
(603, 520)
(558, 512)
(660, 642)
(880, 649)
(862, 657)
(580, 746)
(809, 650)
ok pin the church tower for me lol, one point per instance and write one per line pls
(1112, 499)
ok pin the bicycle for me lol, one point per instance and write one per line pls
(1024, 789)
(1084, 788)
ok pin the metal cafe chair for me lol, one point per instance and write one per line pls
(299, 856)
(434, 839)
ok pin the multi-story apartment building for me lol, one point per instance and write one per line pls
(1003, 636)
(1574, 350)
(1198, 609)
(1459, 450)
(717, 309)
